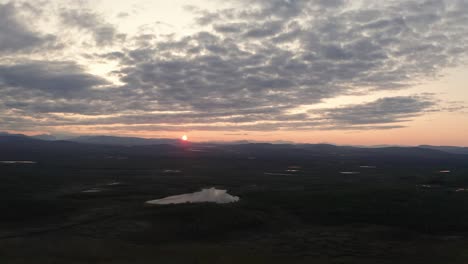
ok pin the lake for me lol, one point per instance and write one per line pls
(211, 195)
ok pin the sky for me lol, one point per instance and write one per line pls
(310, 71)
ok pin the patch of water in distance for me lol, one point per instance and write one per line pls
(92, 191)
(277, 174)
(211, 195)
(172, 171)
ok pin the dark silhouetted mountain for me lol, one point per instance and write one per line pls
(20, 147)
(8, 134)
(45, 137)
(448, 149)
(301, 151)
(123, 141)
(14, 147)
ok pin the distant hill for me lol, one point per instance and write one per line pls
(45, 137)
(448, 149)
(8, 134)
(20, 147)
(26, 146)
(328, 150)
(42, 136)
(122, 141)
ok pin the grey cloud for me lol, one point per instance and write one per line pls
(34, 89)
(58, 79)
(123, 15)
(250, 66)
(274, 8)
(378, 50)
(265, 29)
(382, 111)
(291, 32)
(229, 27)
(380, 114)
(239, 127)
(87, 20)
(15, 35)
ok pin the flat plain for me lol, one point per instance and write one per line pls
(295, 206)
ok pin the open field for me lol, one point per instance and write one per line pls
(295, 208)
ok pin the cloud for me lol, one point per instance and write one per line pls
(248, 67)
(229, 27)
(15, 34)
(382, 111)
(57, 79)
(86, 20)
(300, 59)
(266, 29)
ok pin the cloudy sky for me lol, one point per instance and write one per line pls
(346, 72)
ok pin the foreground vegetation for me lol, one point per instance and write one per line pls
(293, 209)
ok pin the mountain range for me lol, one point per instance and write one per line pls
(136, 141)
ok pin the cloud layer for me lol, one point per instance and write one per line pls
(15, 35)
(259, 66)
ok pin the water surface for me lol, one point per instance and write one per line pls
(277, 174)
(172, 171)
(211, 195)
(349, 172)
(92, 191)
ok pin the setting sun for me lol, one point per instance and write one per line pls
(184, 138)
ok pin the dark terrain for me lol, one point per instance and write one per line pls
(295, 206)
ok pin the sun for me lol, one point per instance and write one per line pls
(184, 138)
